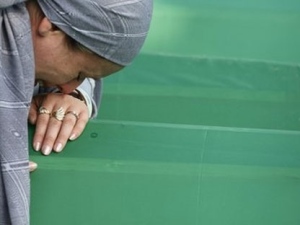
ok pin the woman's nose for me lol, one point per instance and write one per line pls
(69, 87)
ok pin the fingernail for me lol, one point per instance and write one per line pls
(72, 137)
(58, 147)
(46, 150)
(32, 166)
(37, 146)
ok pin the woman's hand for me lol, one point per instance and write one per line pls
(52, 131)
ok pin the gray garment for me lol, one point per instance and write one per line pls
(113, 29)
(16, 86)
(94, 92)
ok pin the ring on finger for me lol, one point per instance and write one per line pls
(43, 110)
(59, 114)
(74, 114)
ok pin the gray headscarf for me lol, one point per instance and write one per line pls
(113, 29)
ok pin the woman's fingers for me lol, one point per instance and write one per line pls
(60, 118)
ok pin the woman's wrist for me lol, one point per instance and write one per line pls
(83, 96)
(77, 94)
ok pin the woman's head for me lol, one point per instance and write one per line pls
(71, 43)
(113, 29)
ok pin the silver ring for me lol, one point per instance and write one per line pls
(43, 110)
(59, 114)
(74, 114)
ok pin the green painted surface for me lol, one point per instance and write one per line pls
(203, 128)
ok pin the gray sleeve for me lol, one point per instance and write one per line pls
(92, 91)
(98, 90)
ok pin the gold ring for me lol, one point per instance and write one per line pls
(74, 114)
(59, 114)
(43, 110)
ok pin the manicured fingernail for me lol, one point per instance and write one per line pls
(72, 137)
(32, 166)
(58, 148)
(46, 150)
(37, 146)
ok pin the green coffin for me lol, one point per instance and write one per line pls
(202, 129)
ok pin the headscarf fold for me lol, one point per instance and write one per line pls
(113, 29)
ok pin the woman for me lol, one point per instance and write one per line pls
(57, 43)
